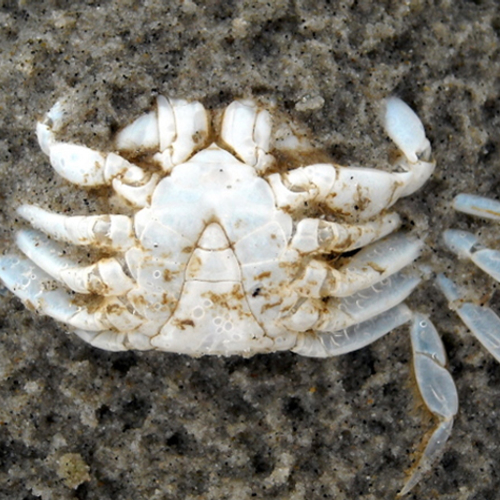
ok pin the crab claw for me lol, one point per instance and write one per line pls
(79, 164)
(46, 128)
(247, 130)
(176, 130)
(404, 127)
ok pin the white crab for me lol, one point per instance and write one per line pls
(231, 252)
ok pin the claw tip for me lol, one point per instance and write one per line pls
(404, 127)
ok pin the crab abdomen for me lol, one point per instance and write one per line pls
(212, 242)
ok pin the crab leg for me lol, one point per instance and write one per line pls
(104, 231)
(437, 389)
(434, 381)
(86, 167)
(367, 303)
(466, 245)
(477, 205)
(175, 130)
(356, 192)
(368, 267)
(106, 277)
(37, 290)
(481, 320)
(316, 235)
(326, 344)
(338, 314)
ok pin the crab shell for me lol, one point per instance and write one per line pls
(220, 258)
(228, 253)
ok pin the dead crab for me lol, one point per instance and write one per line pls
(229, 253)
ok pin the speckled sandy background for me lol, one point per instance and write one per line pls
(79, 423)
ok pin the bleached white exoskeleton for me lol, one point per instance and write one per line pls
(482, 321)
(230, 252)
